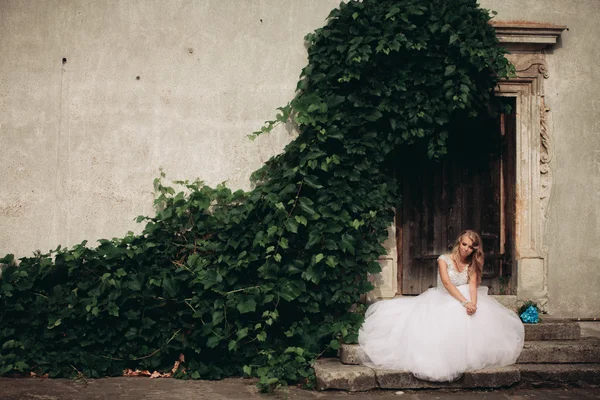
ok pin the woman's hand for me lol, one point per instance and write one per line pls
(471, 308)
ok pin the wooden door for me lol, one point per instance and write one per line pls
(472, 188)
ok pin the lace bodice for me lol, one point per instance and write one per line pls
(457, 278)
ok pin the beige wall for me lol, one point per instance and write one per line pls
(573, 94)
(81, 142)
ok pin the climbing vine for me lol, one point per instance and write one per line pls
(261, 282)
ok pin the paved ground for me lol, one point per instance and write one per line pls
(234, 389)
(238, 389)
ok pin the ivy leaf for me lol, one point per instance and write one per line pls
(232, 345)
(291, 225)
(242, 333)
(217, 317)
(169, 287)
(312, 274)
(283, 242)
(449, 70)
(312, 181)
(289, 293)
(261, 337)
(113, 310)
(54, 324)
(301, 220)
(334, 344)
(347, 246)
(246, 306)
(453, 39)
(331, 262)
(314, 237)
(136, 283)
(351, 338)
(306, 206)
(213, 341)
(393, 11)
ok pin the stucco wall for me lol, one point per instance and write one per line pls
(573, 94)
(82, 141)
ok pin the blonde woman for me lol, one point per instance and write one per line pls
(447, 330)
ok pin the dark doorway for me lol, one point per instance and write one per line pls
(471, 188)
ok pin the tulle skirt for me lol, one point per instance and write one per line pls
(432, 336)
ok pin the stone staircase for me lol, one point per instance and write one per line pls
(555, 354)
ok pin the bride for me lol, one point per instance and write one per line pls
(447, 330)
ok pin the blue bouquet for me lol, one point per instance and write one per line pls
(530, 315)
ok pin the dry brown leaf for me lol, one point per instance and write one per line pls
(175, 367)
(137, 372)
(157, 374)
(178, 363)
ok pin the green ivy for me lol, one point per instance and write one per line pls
(261, 282)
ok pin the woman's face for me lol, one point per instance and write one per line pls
(465, 246)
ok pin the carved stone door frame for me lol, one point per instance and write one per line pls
(526, 43)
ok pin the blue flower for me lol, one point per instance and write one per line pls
(530, 316)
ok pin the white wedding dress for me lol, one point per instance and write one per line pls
(432, 336)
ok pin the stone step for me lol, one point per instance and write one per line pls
(553, 330)
(331, 374)
(585, 350)
(350, 354)
(558, 375)
(509, 301)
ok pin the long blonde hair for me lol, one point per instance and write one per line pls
(476, 258)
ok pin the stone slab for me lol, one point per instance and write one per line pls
(485, 378)
(556, 375)
(331, 374)
(585, 350)
(552, 330)
(350, 354)
(590, 328)
(508, 301)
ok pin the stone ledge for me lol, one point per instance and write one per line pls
(586, 350)
(553, 330)
(485, 378)
(331, 374)
(557, 375)
(350, 354)
(508, 301)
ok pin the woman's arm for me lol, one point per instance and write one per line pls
(473, 291)
(473, 287)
